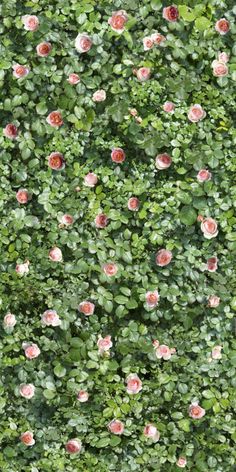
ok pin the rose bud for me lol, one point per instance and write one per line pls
(220, 69)
(110, 269)
(213, 301)
(143, 74)
(30, 22)
(55, 254)
(170, 13)
(158, 38)
(27, 438)
(133, 204)
(22, 268)
(99, 96)
(203, 175)
(152, 298)
(209, 228)
(163, 352)
(54, 119)
(82, 396)
(50, 318)
(27, 390)
(163, 257)
(9, 320)
(200, 218)
(67, 220)
(117, 155)
(104, 344)
(90, 180)
(87, 308)
(150, 431)
(181, 462)
(196, 113)
(44, 49)
(56, 161)
(148, 43)
(73, 79)
(163, 161)
(212, 264)
(101, 220)
(222, 26)
(10, 131)
(195, 411)
(83, 42)
(155, 343)
(134, 384)
(22, 195)
(73, 446)
(20, 71)
(116, 427)
(216, 352)
(223, 57)
(31, 351)
(118, 20)
(169, 107)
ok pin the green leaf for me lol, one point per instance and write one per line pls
(202, 23)
(188, 215)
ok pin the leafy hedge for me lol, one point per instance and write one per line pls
(173, 207)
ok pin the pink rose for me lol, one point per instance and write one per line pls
(9, 320)
(213, 301)
(20, 71)
(82, 396)
(163, 257)
(55, 254)
(158, 38)
(101, 220)
(223, 57)
(216, 352)
(22, 195)
(195, 411)
(50, 318)
(220, 69)
(30, 22)
(133, 204)
(87, 308)
(203, 175)
(83, 42)
(118, 155)
(143, 74)
(22, 268)
(212, 264)
(90, 180)
(73, 446)
(110, 269)
(155, 343)
(222, 26)
(134, 384)
(104, 344)
(27, 438)
(150, 431)
(56, 161)
(54, 119)
(67, 220)
(163, 161)
(169, 107)
(43, 49)
(209, 228)
(10, 131)
(196, 113)
(181, 462)
(73, 79)
(163, 352)
(116, 427)
(152, 298)
(99, 96)
(170, 13)
(31, 351)
(27, 390)
(148, 43)
(118, 20)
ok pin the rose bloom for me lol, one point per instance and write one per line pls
(50, 318)
(87, 308)
(55, 254)
(158, 38)
(73, 79)
(27, 438)
(110, 269)
(163, 257)
(143, 74)
(171, 13)
(222, 26)
(133, 204)
(44, 49)
(212, 264)
(83, 42)
(163, 352)
(163, 161)
(116, 427)
(22, 195)
(56, 161)
(10, 131)
(73, 446)
(152, 298)
(104, 344)
(82, 396)
(30, 22)
(196, 113)
(209, 228)
(196, 411)
(118, 155)
(169, 107)
(213, 301)
(134, 384)
(223, 57)
(181, 462)
(27, 390)
(99, 96)
(101, 220)
(148, 43)
(9, 320)
(220, 69)
(20, 71)
(31, 351)
(204, 175)
(67, 219)
(118, 20)
(22, 268)
(150, 431)
(54, 119)
(216, 352)
(90, 180)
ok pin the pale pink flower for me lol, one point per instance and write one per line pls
(196, 113)
(87, 308)
(170, 13)
(196, 411)
(222, 26)
(104, 344)
(99, 96)
(101, 220)
(163, 257)
(22, 195)
(134, 384)
(181, 462)
(163, 352)
(83, 396)
(212, 264)
(31, 350)
(73, 79)
(22, 268)
(220, 69)
(10, 131)
(118, 20)
(163, 161)
(116, 427)
(83, 42)
(20, 71)
(30, 22)
(158, 38)
(151, 432)
(54, 119)
(133, 204)
(50, 318)
(169, 107)
(204, 175)
(27, 390)
(216, 352)
(9, 320)
(66, 219)
(110, 269)
(44, 49)
(152, 298)
(209, 228)
(213, 301)
(118, 155)
(55, 254)
(90, 180)
(148, 43)
(27, 438)
(73, 446)
(223, 57)
(143, 74)
(155, 343)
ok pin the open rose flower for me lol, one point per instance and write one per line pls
(99, 96)
(158, 38)
(181, 462)
(22, 195)
(110, 269)
(66, 220)
(209, 228)
(223, 57)
(87, 308)
(20, 71)
(133, 204)
(10, 131)
(196, 113)
(44, 49)
(101, 220)
(196, 411)
(83, 42)
(169, 107)
(27, 438)
(31, 350)
(204, 175)
(148, 43)
(73, 79)
(143, 74)
(30, 22)
(216, 352)
(212, 264)
(90, 180)
(54, 119)
(134, 384)
(118, 20)
(9, 320)
(220, 69)
(116, 427)
(27, 390)
(56, 161)
(222, 26)
(118, 155)
(170, 13)
(163, 161)
(150, 431)
(152, 298)
(104, 344)
(22, 268)
(163, 352)
(50, 318)
(213, 301)
(83, 396)
(73, 446)
(163, 257)
(55, 254)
